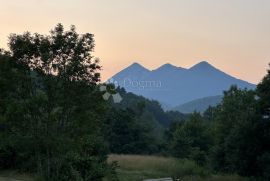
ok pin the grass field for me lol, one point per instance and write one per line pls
(137, 168)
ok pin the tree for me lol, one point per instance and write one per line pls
(14, 89)
(263, 93)
(55, 119)
(191, 139)
(236, 130)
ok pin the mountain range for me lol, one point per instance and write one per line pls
(175, 86)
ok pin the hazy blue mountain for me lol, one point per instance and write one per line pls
(199, 105)
(173, 86)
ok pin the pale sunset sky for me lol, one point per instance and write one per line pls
(232, 35)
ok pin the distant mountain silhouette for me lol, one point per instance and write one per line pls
(173, 86)
(198, 105)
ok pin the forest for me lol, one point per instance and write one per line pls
(55, 123)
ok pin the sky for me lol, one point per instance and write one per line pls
(232, 35)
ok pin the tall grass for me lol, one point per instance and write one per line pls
(138, 168)
(156, 167)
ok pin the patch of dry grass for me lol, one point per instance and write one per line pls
(137, 162)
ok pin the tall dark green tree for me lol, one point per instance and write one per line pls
(236, 133)
(263, 93)
(54, 112)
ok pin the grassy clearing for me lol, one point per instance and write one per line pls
(137, 168)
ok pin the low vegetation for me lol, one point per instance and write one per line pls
(138, 167)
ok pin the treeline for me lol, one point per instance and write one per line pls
(233, 137)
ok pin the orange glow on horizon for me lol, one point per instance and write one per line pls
(232, 35)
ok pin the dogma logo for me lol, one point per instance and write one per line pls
(109, 89)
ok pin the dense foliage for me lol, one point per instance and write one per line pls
(232, 137)
(137, 125)
(51, 111)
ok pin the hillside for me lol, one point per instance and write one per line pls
(198, 105)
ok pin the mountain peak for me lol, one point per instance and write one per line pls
(133, 71)
(168, 66)
(204, 62)
(137, 66)
(203, 65)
